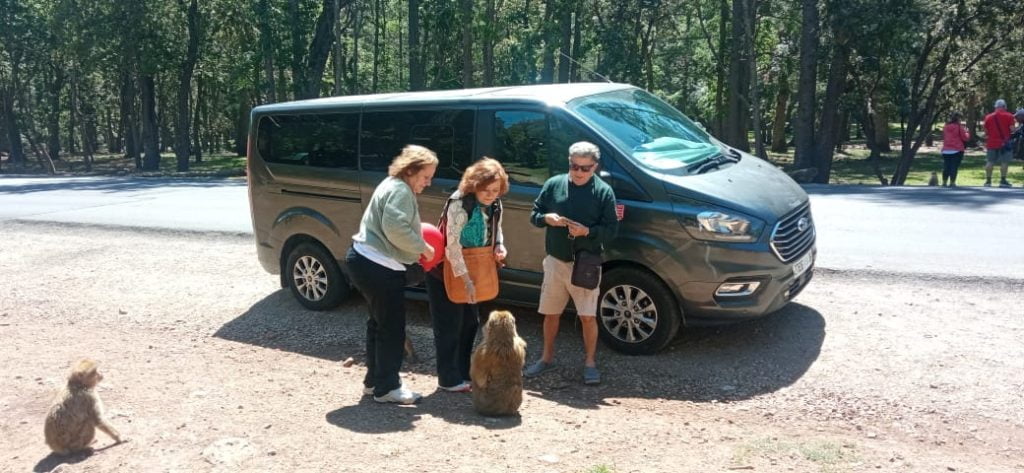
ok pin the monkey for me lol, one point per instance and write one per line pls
(72, 420)
(496, 368)
(934, 180)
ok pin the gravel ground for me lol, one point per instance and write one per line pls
(210, 366)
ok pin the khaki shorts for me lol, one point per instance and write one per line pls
(557, 289)
(998, 156)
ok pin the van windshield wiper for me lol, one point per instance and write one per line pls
(734, 154)
(712, 163)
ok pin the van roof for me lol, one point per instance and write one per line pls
(548, 93)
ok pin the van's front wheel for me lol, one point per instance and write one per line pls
(315, 278)
(637, 313)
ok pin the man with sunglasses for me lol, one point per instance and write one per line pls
(577, 211)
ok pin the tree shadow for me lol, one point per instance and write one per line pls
(14, 185)
(954, 198)
(728, 363)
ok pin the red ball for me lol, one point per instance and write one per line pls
(433, 237)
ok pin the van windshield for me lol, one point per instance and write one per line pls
(656, 135)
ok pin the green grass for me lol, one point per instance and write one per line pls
(852, 167)
(600, 469)
(828, 456)
(221, 163)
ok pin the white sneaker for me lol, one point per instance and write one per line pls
(399, 395)
(463, 387)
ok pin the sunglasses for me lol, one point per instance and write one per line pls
(584, 168)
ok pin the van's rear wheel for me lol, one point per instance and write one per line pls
(315, 278)
(637, 314)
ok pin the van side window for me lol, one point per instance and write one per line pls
(563, 135)
(521, 144)
(449, 133)
(323, 140)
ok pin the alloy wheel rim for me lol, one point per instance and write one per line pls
(310, 278)
(628, 313)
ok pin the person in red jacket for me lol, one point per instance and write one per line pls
(954, 141)
(997, 131)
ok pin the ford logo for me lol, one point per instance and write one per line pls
(802, 224)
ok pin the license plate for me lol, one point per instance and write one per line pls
(803, 264)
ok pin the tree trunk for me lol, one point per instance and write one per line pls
(376, 45)
(972, 117)
(72, 115)
(577, 43)
(88, 133)
(242, 122)
(150, 132)
(564, 64)
(113, 138)
(881, 136)
(415, 54)
(197, 131)
(737, 106)
(804, 126)
(723, 56)
(338, 60)
(755, 84)
(467, 43)
(54, 86)
(830, 112)
(319, 49)
(547, 72)
(266, 49)
(353, 66)
(779, 141)
(130, 119)
(10, 118)
(184, 137)
(298, 52)
(488, 43)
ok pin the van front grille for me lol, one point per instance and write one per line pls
(794, 234)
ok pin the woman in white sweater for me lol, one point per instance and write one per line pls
(389, 239)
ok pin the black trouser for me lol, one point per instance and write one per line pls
(384, 290)
(950, 166)
(455, 327)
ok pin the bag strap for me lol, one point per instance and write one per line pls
(999, 128)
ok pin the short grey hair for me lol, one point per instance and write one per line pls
(1001, 104)
(585, 149)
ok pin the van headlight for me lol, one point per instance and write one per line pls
(723, 226)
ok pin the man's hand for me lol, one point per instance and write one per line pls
(429, 253)
(578, 229)
(500, 253)
(555, 220)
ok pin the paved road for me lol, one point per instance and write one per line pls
(973, 232)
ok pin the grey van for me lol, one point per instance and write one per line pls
(708, 234)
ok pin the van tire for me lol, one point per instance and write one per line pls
(314, 277)
(618, 322)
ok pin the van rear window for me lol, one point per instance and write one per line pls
(322, 140)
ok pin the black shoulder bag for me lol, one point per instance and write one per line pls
(586, 268)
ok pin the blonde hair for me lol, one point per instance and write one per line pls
(483, 173)
(411, 160)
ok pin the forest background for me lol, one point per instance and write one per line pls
(791, 78)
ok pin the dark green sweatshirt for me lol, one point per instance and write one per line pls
(592, 204)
